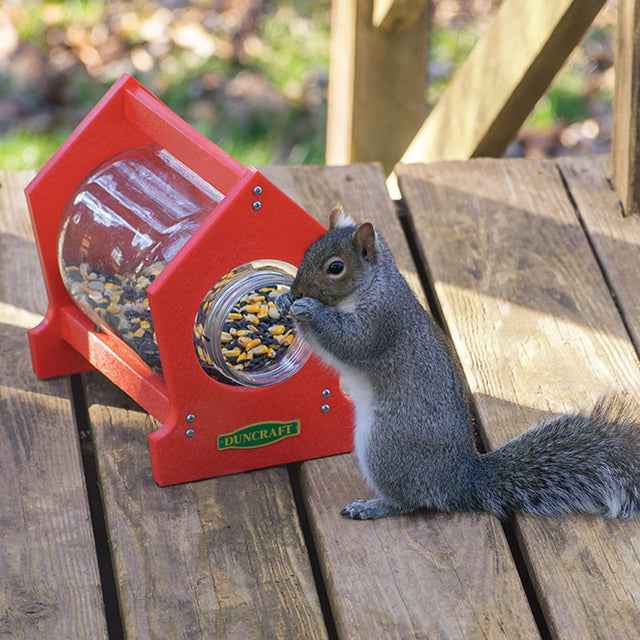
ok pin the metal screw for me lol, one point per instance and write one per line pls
(257, 205)
(191, 418)
(326, 393)
(257, 190)
(190, 433)
(324, 408)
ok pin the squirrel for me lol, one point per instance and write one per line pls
(413, 435)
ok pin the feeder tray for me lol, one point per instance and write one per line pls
(170, 348)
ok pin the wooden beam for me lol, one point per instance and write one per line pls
(625, 146)
(502, 79)
(377, 84)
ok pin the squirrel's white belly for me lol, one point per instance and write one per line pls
(361, 393)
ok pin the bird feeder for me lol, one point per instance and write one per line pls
(163, 259)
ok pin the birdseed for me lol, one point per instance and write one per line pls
(255, 333)
(121, 302)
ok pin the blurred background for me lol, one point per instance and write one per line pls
(251, 75)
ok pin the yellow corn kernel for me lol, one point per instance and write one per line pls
(252, 318)
(251, 308)
(224, 337)
(259, 350)
(231, 353)
(234, 316)
(145, 324)
(138, 333)
(263, 312)
(276, 329)
(244, 340)
(252, 343)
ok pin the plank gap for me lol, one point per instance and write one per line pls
(111, 603)
(609, 284)
(305, 525)
(522, 567)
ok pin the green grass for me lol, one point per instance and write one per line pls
(21, 149)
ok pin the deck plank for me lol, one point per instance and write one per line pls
(615, 237)
(220, 558)
(423, 575)
(537, 332)
(49, 581)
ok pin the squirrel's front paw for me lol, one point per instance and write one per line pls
(304, 307)
(370, 509)
(284, 302)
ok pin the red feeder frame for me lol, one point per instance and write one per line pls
(308, 411)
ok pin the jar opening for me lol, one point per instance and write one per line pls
(241, 334)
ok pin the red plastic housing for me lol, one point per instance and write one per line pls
(307, 415)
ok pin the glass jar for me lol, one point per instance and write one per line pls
(123, 224)
(126, 220)
(241, 333)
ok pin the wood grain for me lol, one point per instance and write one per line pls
(537, 332)
(49, 582)
(419, 576)
(221, 558)
(615, 237)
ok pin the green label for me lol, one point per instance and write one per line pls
(260, 434)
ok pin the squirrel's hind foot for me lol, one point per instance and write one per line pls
(371, 509)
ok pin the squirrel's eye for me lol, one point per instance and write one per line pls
(335, 267)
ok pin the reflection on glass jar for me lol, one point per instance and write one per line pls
(125, 221)
(241, 334)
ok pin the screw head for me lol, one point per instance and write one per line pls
(257, 190)
(326, 393)
(191, 418)
(324, 408)
(190, 433)
(257, 205)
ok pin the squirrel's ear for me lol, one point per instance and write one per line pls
(338, 218)
(364, 239)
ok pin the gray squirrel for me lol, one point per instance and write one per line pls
(413, 422)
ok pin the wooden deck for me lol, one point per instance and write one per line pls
(534, 272)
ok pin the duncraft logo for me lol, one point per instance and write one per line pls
(260, 434)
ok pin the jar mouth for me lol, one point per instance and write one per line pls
(240, 335)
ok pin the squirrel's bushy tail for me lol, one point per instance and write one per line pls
(587, 463)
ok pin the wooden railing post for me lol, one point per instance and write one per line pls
(626, 101)
(377, 79)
